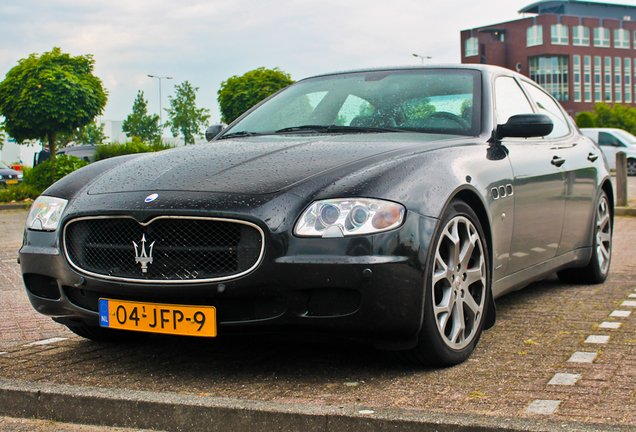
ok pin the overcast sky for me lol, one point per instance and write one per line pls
(207, 41)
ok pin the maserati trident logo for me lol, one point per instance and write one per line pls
(143, 258)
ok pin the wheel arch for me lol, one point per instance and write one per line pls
(609, 191)
(473, 199)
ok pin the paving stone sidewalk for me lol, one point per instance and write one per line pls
(562, 353)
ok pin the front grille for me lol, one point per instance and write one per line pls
(166, 249)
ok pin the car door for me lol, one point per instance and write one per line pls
(581, 159)
(538, 188)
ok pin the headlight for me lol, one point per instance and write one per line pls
(345, 217)
(46, 213)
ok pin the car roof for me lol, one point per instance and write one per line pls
(489, 69)
(602, 129)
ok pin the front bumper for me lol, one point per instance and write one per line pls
(369, 287)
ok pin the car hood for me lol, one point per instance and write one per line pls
(258, 165)
(8, 172)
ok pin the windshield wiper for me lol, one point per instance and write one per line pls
(337, 129)
(239, 134)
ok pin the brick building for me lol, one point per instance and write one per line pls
(581, 52)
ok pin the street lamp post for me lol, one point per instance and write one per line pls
(422, 57)
(160, 78)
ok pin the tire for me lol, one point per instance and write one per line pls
(457, 287)
(631, 167)
(597, 269)
(101, 334)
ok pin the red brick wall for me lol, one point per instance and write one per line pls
(514, 51)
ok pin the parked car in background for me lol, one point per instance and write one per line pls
(9, 176)
(613, 141)
(85, 152)
(391, 206)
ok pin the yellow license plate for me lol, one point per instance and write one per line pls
(12, 182)
(158, 318)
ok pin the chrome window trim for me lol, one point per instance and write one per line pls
(147, 281)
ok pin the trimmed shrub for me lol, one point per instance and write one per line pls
(585, 119)
(19, 192)
(40, 177)
(106, 151)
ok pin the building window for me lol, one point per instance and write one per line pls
(534, 35)
(618, 88)
(587, 78)
(559, 33)
(621, 38)
(607, 72)
(472, 47)
(552, 74)
(598, 88)
(601, 37)
(581, 36)
(576, 71)
(627, 82)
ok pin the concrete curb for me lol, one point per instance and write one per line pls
(176, 412)
(625, 211)
(15, 206)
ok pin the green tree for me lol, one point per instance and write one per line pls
(184, 116)
(240, 93)
(92, 133)
(48, 95)
(585, 119)
(141, 125)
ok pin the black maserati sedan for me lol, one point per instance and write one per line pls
(391, 206)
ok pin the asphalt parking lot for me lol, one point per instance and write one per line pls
(561, 357)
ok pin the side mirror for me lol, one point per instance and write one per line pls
(525, 126)
(213, 131)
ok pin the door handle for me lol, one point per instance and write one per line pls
(592, 157)
(557, 161)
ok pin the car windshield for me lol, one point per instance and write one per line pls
(444, 101)
(3, 166)
(626, 137)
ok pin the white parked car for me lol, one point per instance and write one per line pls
(86, 152)
(613, 141)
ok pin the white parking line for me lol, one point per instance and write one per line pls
(542, 406)
(629, 303)
(620, 314)
(46, 342)
(583, 357)
(609, 325)
(597, 339)
(565, 379)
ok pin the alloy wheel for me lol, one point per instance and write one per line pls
(459, 283)
(603, 235)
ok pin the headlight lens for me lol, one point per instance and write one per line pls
(46, 213)
(345, 217)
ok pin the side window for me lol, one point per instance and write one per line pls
(548, 106)
(509, 99)
(606, 139)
